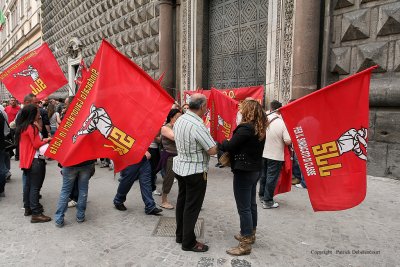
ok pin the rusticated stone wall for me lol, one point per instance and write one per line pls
(130, 25)
(364, 33)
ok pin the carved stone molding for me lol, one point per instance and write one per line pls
(343, 3)
(389, 19)
(340, 60)
(355, 25)
(372, 54)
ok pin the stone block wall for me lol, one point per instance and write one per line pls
(364, 33)
(132, 26)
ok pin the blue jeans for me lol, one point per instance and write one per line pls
(3, 169)
(129, 175)
(272, 170)
(244, 189)
(262, 177)
(70, 174)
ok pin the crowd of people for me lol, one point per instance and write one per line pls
(181, 150)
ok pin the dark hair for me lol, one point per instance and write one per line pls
(51, 109)
(172, 113)
(275, 104)
(195, 103)
(26, 117)
(28, 98)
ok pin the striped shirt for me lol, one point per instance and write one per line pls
(192, 140)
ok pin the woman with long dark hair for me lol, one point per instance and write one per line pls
(31, 162)
(167, 154)
(245, 149)
(54, 118)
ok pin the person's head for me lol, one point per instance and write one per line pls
(13, 101)
(275, 104)
(252, 112)
(173, 115)
(198, 104)
(30, 99)
(185, 107)
(28, 115)
(68, 100)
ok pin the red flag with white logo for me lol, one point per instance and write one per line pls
(116, 113)
(223, 115)
(284, 183)
(36, 72)
(80, 73)
(329, 133)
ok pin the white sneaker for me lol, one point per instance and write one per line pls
(156, 193)
(175, 180)
(299, 186)
(111, 166)
(71, 204)
(268, 206)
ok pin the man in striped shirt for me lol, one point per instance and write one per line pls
(194, 145)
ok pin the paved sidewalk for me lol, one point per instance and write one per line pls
(292, 235)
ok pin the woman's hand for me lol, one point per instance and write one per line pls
(48, 139)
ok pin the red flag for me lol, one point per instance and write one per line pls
(115, 114)
(80, 73)
(161, 78)
(240, 94)
(284, 183)
(36, 72)
(329, 133)
(223, 115)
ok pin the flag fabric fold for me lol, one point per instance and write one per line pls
(329, 133)
(284, 183)
(116, 113)
(36, 72)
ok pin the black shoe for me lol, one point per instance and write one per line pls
(120, 206)
(155, 211)
(28, 212)
(199, 247)
(16, 158)
(178, 240)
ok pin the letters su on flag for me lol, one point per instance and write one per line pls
(36, 72)
(329, 129)
(113, 114)
(223, 115)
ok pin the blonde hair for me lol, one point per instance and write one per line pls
(253, 113)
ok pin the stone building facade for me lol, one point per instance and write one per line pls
(22, 33)
(291, 47)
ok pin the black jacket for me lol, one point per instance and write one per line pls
(244, 148)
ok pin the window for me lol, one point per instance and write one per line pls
(21, 8)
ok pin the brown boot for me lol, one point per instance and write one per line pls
(41, 218)
(239, 237)
(244, 248)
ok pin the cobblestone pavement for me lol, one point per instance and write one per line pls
(292, 235)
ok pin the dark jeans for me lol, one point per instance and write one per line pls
(272, 169)
(262, 177)
(244, 189)
(155, 158)
(297, 172)
(192, 190)
(3, 169)
(129, 175)
(34, 181)
(75, 192)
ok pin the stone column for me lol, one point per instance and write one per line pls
(166, 45)
(305, 47)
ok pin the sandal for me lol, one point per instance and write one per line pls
(199, 247)
(167, 206)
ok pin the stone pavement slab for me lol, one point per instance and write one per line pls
(292, 235)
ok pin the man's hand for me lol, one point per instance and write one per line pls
(213, 150)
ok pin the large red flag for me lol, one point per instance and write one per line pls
(115, 114)
(329, 133)
(36, 72)
(223, 115)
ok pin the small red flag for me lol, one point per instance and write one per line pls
(240, 94)
(223, 115)
(113, 114)
(80, 73)
(284, 183)
(36, 72)
(329, 133)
